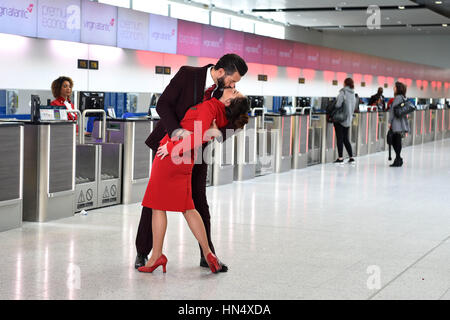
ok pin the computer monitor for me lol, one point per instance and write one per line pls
(91, 100)
(303, 102)
(325, 101)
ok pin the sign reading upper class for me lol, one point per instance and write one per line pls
(96, 23)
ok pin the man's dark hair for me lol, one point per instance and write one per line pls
(231, 63)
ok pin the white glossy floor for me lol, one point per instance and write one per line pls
(326, 232)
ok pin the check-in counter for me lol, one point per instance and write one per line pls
(49, 170)
(382, 130)
(300, 131)
(283, 145)
(408, 139)
(222, 161)
(316, 138)
(418, 129)
(362, 139)
(99, 167)
(330, 148)
(373, 132)
(110, 170)
(11, 175)
(137, 156)
(440, 124)
(246, 151)
(266, 141)
(428, 134)
(86, 176)
(447, 123)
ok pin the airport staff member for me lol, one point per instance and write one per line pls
(62, 90)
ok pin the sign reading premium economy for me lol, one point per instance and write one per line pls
(162, 34)
(18, 17)
(59, 19)
(132, 29)
(98, 23)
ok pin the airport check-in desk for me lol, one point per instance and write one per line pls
(220, 156)
(137, 156)
(283, 143)
(246, 151)
(49, 170)
(300, 132)
(98, 171)
(11, 175)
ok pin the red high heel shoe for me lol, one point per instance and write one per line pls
(213, 263)
(161, 261)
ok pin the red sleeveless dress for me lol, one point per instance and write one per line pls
(169, 187)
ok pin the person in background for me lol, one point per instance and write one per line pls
(377, 99)
(399, 125)
(347, 100)
(62, 90)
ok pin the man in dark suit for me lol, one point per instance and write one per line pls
(190, 86)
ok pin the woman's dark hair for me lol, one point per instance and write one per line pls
(237, 112)
(231, 63)
(57, 84)
(401, 88)
(349, 83)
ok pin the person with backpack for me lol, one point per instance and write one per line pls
(398, 124)
(345, 103)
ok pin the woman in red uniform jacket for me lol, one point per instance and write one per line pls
(62, 90)
(169, 187)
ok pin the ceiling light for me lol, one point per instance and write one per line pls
(438, 2)
(401, 7)
(444, 24)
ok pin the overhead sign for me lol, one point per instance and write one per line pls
(132, 29)
(98, 23)
(18, 17)
(162, 34)
(59, 19)
(234, 42)
(189, 38)
(212, 41)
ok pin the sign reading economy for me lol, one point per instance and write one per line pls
(132, 29)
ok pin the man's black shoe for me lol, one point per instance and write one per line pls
(204, 264)
(141, 260)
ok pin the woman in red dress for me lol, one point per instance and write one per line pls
(169, 187)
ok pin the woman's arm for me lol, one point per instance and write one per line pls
(205, 118)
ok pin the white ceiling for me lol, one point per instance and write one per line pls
(319, 19)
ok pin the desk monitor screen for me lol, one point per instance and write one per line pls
(91, 100)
